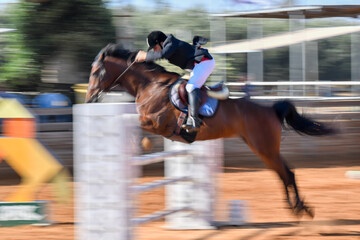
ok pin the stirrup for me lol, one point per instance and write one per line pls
(187, 125)
(193, 129)
(192, 125)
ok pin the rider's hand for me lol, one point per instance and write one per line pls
(141, 56)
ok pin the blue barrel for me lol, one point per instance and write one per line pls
(52, 100)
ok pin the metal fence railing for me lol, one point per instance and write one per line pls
(296, 90)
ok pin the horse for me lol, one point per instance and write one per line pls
(259, 126)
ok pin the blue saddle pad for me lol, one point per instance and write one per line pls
(208, 109)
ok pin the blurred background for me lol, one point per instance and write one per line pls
(48, 46)
(265, 50)
(307, 51)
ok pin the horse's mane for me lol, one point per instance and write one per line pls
(117, 51)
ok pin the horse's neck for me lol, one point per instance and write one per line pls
(141, 79)
(131, 86)
(135, 83)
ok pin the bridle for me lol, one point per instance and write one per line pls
(115, 83)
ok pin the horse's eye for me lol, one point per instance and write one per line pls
(102, 72)
(98, 72)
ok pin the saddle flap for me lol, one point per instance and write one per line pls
(183, 94)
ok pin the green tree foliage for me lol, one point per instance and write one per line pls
(80, 28)
(335, 58)
(74, 28)
(17, 66)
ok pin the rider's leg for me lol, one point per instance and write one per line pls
(198, 77)
(193, 122)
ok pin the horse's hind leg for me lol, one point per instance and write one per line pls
(298, 206)
(277, 163)
(267, 146)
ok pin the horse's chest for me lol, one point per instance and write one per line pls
(154, 119)
(149, 117)
(154, 109)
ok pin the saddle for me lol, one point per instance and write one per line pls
(218, 91)
(210, 95)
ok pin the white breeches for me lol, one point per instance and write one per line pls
(199, 74)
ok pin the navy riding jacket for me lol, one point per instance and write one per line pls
(179, 53)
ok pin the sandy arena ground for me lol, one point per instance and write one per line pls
(321, 180)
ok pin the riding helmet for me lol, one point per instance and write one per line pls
(155, 37)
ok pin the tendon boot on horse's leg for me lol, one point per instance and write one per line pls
(193, 122)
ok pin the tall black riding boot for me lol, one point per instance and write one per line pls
(193, 122)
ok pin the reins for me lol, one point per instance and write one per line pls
(115, 83)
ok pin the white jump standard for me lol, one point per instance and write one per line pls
(107, 165)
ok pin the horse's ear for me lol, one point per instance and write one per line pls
(101, 56)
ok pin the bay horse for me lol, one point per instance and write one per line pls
(259, 126)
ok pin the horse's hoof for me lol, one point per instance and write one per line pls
(300, 208)
(146, 144)
(301, 211)
(310, 211)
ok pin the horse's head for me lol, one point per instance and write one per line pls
(94, 88)
(114, 66)
(105, 74)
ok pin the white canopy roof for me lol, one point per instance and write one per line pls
(4, 30)
(312, 11)
(283, 39)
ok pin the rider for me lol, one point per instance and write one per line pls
(191, 57)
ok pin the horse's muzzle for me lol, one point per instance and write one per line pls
(95, 98)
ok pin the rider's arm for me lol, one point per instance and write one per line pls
(152, 56)
(170, 45)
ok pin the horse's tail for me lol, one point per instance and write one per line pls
(285, 110)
